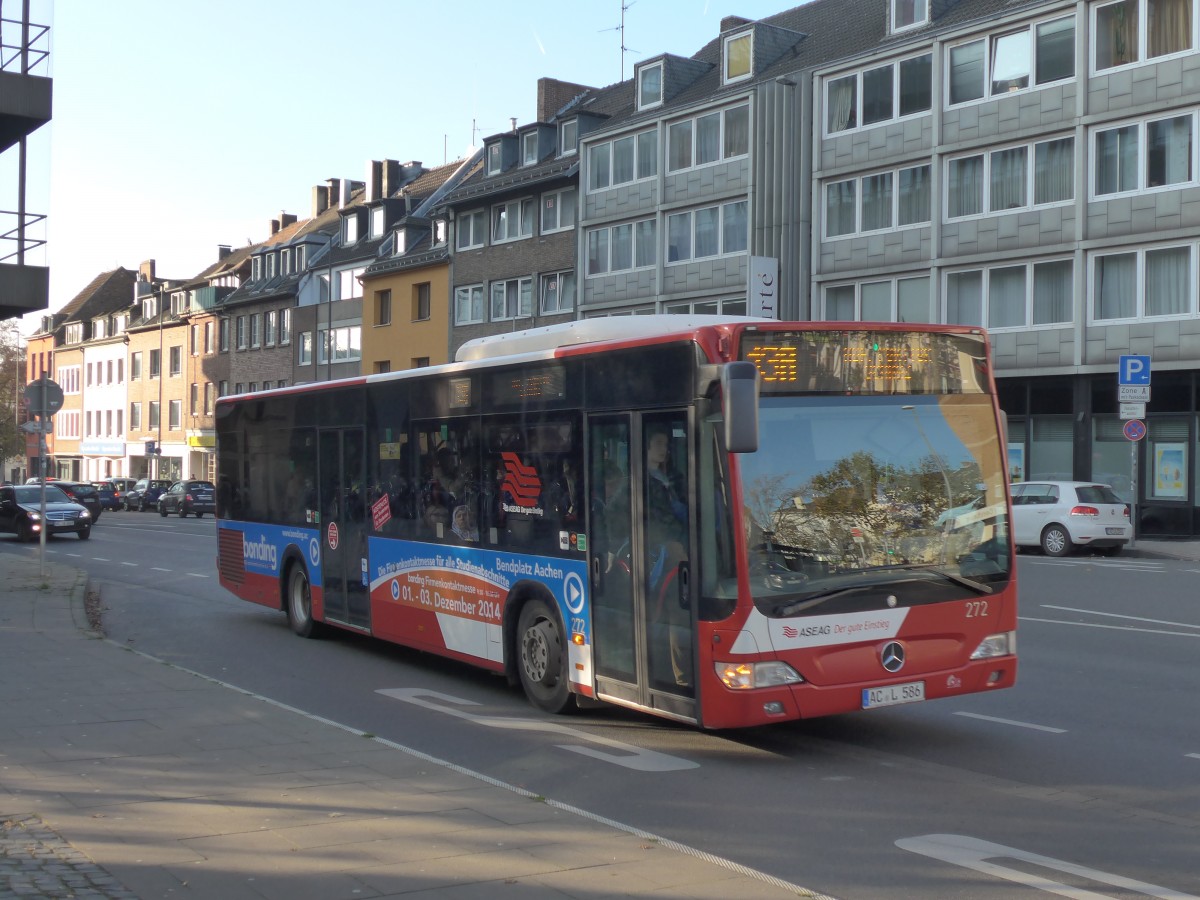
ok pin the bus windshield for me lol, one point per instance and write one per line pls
(854, 499)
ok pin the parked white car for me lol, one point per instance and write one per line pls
(1059, 516)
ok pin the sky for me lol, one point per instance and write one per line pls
(180, 126)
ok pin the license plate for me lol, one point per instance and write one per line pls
(893, 694)
(1114, 530)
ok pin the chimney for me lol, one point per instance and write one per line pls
(731, 22)
(513, 120)
(274, 226)
(375, 180)
(553, 95)
(286, 219)
(146, 271)
(223, 250)
(335, 192)
(320, 199)
(392, 179)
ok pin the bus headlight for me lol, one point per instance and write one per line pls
(1003, 644)
(748, 676)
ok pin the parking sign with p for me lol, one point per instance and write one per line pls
(1134, 370)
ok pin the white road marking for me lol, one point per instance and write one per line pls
(194, 575)
(971, 715)
(130, 564)
(1092, 612)
(972, 853)
(1193, 755)
(157, 569)
(1138, 564)
(630, 757)
(1107, 627)
(100, 559)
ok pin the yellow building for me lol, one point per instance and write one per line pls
(406, 313)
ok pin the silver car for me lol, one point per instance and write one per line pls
(1059, 516)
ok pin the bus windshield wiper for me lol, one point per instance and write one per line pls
(811, 600)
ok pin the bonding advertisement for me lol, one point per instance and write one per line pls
(263, 547)
(466, 588)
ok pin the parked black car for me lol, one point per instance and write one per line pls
(183, 497)
(20, 512)
(144, 495)
(83, 493)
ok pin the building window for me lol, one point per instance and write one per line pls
(991, 67)
(440, 231)
(378, 221)
(558, 211)
(529, 148)
(208, 337)
(909, 14)
(650, 85)
(623, 160)
(135, 366)
(568, 137)
(194, 400)
(470, 230)
(879, 201)
(1169, 150)
(880, 94)
(210, 397)
(240, 329)
(175, 360)
(558, 292)
(339, 345)
(349, 230)
(712, 231)
(154, 416)
(512, 221)
(617, 248)
(739, 55)
(304, 351)
(1129, 31)
(383, 307)
(708, 138)
(1146, 283)
(285, 327)
(155, 363)
(135, 416)
(269, 328)
(1011, 178)
(1011, 296)
(495, 158)
(382, 367)
(894, 300)
(223, 335)
(349, 286)
(422, 295)
(255, 337)
(468, 304)
(512, 299)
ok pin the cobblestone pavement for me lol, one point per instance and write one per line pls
(36, 863)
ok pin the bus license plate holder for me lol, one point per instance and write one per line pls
(893, 694)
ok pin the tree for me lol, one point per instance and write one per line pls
(12, 392)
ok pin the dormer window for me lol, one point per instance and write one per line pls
(178, 303)
(350, 229)
(378, 217)
(150, 307)
(738, 56)
(650, 85)
(401, 239)
(529, 149)
(568, 137)
(256, 268)
(99, 328)
(441, 229)
(909, 14)
(271, 266)
(495, 159)
(285, 262)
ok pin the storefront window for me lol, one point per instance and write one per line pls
(1167, 459)
(1112, 456)
(1050, 448)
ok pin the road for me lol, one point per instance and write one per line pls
(1082, 781)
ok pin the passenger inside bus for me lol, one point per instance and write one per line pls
(666, 539)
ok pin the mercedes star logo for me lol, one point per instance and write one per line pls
(892, 656)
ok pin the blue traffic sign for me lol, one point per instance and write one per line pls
(1133, 370)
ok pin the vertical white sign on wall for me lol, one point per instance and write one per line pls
(762, 288)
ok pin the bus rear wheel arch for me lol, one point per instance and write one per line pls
(542, 656)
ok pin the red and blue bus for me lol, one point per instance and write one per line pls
(722, 521)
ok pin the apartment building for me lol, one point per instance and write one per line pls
(1031, 167)
(513, 257)
(406, 290)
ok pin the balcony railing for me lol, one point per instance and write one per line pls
(26, 52)
(15, 242)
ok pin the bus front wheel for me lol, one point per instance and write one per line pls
(299, 602)
(542, 657)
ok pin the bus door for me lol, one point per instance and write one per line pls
(344, 526)
(642, 624)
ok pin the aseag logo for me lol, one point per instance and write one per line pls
(522, 486)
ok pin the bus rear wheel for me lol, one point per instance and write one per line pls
(542, 657)
(299, 602)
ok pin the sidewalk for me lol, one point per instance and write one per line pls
(123, 778)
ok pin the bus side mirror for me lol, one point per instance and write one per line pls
(739, 405)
